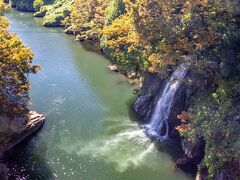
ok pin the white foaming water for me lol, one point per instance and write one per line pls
(159, 127)
(128, 148)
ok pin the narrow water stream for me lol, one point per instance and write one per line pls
(90, 132)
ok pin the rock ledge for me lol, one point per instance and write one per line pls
(33, 123)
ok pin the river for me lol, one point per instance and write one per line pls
(91, 132)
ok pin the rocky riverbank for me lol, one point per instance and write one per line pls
(16, 130)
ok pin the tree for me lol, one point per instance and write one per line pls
(87, 17)
(37, 4)
(15, 65)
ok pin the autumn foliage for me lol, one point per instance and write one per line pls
(87, 17)
(184, 118)
(159, 32)
(15, 64)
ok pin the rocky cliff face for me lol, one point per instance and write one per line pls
(23, 5)
(13, 131)
(150, 92)
(146, 102)
(193, 152)
(144, 107)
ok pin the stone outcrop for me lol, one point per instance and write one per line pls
(194, 153)
(112, 68)
(146, 102)
(150, 92)
(23, 5)
(18, 129)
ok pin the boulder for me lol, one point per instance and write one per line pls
(146, 102)
(193, 155)
(69, 30)
(112, 68)
(19, 129)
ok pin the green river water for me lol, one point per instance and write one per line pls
(91, 132)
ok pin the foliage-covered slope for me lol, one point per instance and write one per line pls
(56, 12)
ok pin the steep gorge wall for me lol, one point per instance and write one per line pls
(23, 5)
(196, 85)
(150, 92)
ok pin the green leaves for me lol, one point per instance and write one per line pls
(15, 64)
(37, 4)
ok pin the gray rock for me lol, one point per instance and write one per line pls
(147, 100)
(33, 122)
(145, 104)
(194, 153)
(23, 5)
(225, 69)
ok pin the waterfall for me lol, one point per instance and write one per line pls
(158, 126)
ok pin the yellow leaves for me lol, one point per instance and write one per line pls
(158, 31)
(3, 23)
(158, 63)
(3, 7)
(15, 63)
(121, 32)
(120, 26)
(85, 12)
(154, 60)
(187, 16)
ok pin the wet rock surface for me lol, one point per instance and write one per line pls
(151, 90)
(194, 153)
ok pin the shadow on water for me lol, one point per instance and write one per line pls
(21, 161)
(92, 47)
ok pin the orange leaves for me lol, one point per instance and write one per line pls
(184, 26)
(184, 117)
(36, 68)
(183, 128)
